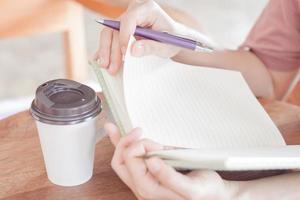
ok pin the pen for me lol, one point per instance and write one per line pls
(162, 37)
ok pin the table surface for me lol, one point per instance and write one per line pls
(22, 171)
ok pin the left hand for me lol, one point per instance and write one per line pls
(152, 179)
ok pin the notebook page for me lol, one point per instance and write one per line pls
(194, 107)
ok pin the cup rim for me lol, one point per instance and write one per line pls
(56, 120)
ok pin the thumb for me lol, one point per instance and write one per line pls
(149, 47)
(113, 133)
(170, 178)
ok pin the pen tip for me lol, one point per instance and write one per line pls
(101, 21)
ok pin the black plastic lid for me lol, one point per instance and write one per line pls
(65, 101)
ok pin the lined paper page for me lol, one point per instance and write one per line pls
(194, 107)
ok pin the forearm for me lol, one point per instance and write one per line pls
(253, 70)
(282, 187)
(263, 81)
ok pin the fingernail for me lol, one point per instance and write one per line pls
(138, 49)
(153, 165)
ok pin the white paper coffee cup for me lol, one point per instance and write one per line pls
(66, 113)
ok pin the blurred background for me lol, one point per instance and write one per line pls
(42, 40)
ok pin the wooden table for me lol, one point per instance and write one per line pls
(22, 171)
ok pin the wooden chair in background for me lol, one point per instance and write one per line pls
(47, 16)
(108, 8)
(66, 17)
(20, 19)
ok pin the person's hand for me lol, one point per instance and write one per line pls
(152, 179)
(113, 44)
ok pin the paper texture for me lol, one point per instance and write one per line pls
(194, 107)
(211, 110)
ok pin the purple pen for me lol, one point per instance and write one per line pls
(162, 37)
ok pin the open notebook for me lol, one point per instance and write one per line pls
(206, 110)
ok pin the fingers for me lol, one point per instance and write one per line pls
(127, 28)
(170, 178)
(128, 163)
(113, 44)
(149, 47)
(133, 156)
(103, 54)
(124, 142)
(139, 12)
(109, 54)
(146, 186)
(115, 55)
(128, 25)
(113, 133)
(117, 162)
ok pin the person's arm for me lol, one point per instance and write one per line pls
(269, 58)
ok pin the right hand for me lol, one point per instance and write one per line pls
(151, 178)
(113, 44)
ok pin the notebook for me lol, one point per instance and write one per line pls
(209, 115)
